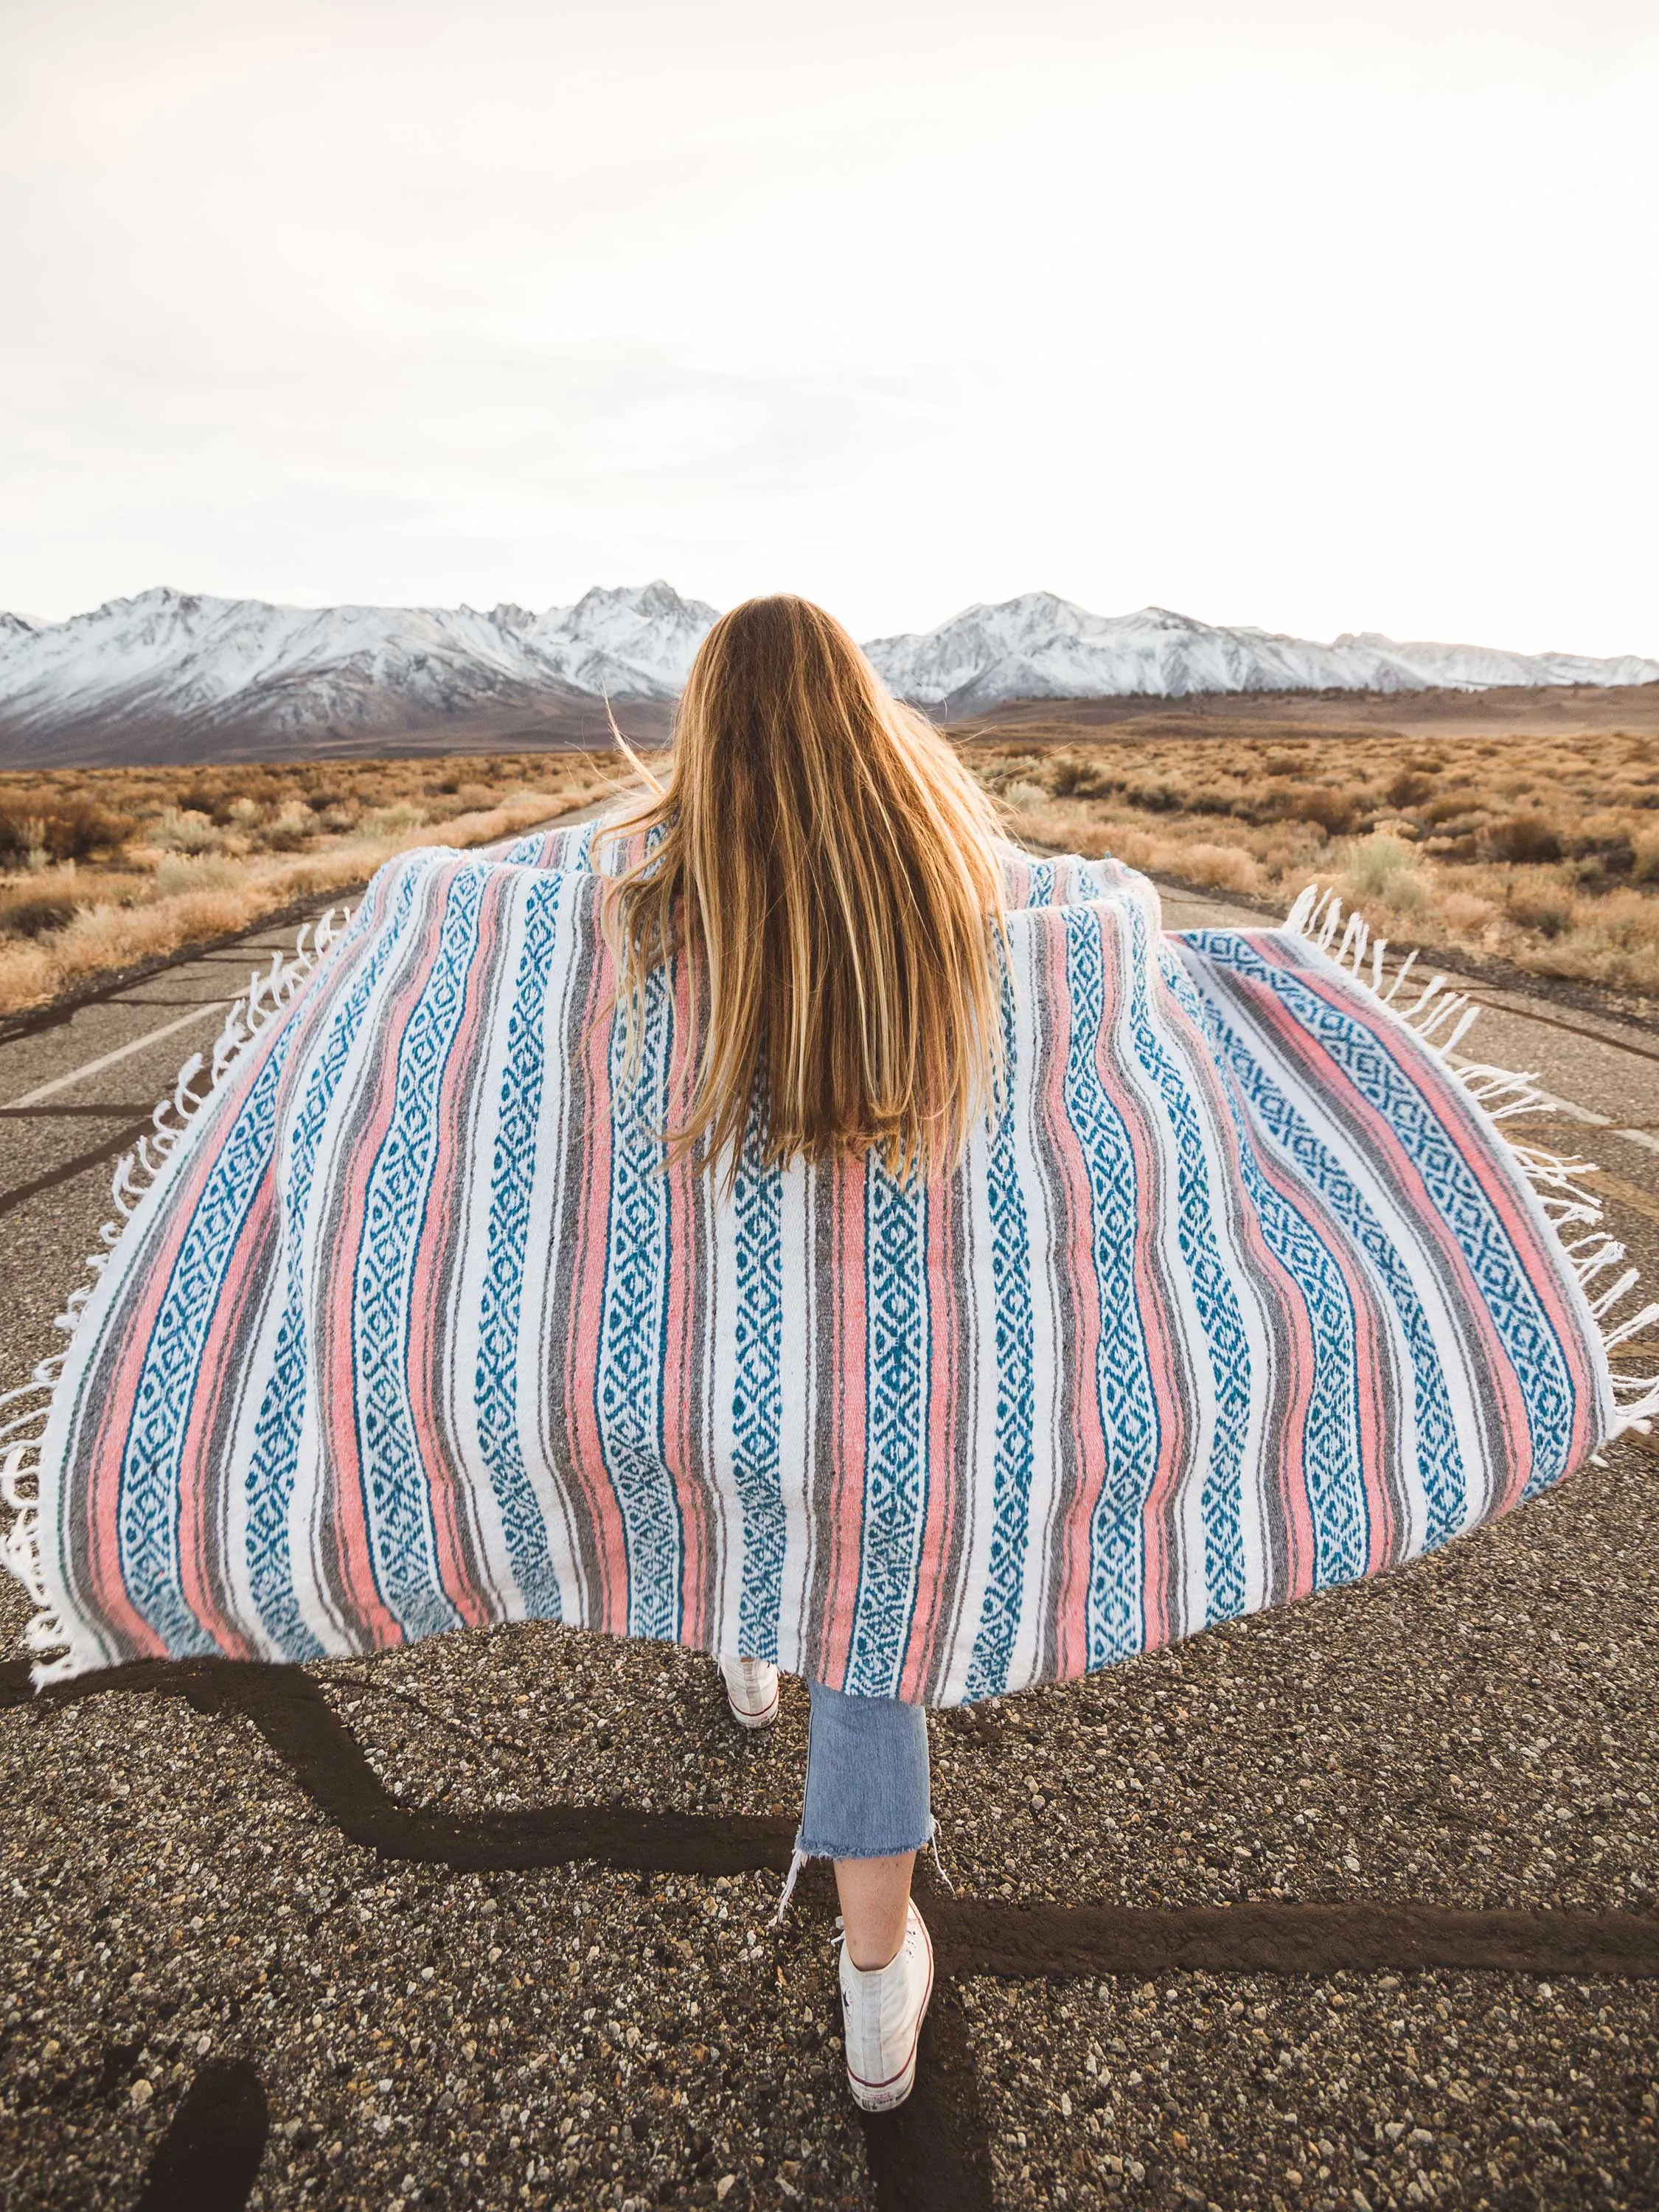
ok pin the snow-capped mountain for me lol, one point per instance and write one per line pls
(1039, 646)
(205, 667)
(625, 644)
(172, 675)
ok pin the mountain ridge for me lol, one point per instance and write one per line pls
(190, 671)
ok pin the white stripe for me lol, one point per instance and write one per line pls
(725, 1612)
(1030, 936)
(974, 1492)
(121, 1052)
(1228, 1202)
(795, 1411)
(475, 1194)
(539, 1392)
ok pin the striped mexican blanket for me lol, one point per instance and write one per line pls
(1245, 1295)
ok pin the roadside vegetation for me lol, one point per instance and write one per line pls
(103, 868)
(1541, 853)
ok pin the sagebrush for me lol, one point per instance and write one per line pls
(1543, 853)
(102, 869)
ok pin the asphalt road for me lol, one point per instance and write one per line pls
(487, 1922)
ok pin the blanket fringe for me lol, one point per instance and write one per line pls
(1442, 1018)
(28, 1409)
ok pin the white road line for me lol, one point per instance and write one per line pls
(1591, 1119)
(121, 1052)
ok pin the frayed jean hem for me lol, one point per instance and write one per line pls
(866, 1794)
(806, 1847)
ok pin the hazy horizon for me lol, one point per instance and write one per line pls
(1316, 326)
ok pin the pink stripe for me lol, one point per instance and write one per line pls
(608, 1606)
(682, 1386)
(849, 1426)
(444, 1212)
(944, 1468)
(1077, 1286)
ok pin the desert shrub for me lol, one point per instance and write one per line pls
(77, 830)
(181, 871)
(93, 832)
(1075, 776)
(1467, 914)
(1383, 869)
(290, 830)
(1546, 907)
(1523, 838)
(1159, 795)
(214, 800)
(1220, 868)
(244, 813)
(1410, 787)
(29, 913)
(1024, 797)
(22, 840)
(184, 829)
(1333, 811)
(1605, 837)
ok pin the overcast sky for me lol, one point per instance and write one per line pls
(1318, 316)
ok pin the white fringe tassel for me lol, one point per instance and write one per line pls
(1441, 1018)
(268, 991)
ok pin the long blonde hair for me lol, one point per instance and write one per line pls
(829, 868)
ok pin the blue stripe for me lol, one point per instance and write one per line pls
(758, 1396)
(628, 1388)
(1126, 1401)
(895, 1426)
(1010, 1484)
(513, 1175)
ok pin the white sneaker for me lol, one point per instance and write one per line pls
(882, 2010)
(751, 1690)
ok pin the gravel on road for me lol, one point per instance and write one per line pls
(1476, 1731)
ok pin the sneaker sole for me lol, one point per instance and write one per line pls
(891, 2095)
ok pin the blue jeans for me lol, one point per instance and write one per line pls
(866, 1779)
